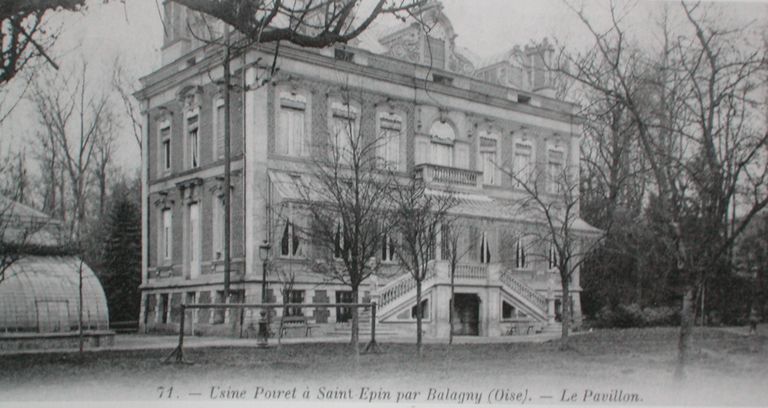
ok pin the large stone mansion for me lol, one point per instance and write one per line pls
(450, 117)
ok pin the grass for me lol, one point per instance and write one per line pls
(725, 368)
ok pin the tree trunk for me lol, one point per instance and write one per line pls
(451, 304)
(684, 339)
(355, 338)
(566, 315)
(419, 346)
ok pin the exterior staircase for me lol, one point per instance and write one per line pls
(403, 289)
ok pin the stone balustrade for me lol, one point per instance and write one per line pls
(433, 173)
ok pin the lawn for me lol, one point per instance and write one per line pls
(633, 365)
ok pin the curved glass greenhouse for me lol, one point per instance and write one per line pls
(40, 294)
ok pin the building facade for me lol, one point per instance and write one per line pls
(460, 124)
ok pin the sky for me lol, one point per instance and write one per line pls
(132, 32)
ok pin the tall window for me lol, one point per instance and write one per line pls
(164, 308)
(521, 258)
(344, 129)
(193, 141)
(489, 160)
(390, 130)
(388, 248)
(194, 240)
(218, 228)
(522, 163)
(290, 244)
(555, 166)
(292, 136)
(218, 126)
(338, 241)
(165, 146)
(445, 241)
(443, 137)
(485, 249)
(166, 239)
(553, 256)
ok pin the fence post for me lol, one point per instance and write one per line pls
(372, 346)
(180, 354)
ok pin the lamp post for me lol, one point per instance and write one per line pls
(263, 323)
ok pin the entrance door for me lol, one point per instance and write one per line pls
(466, 314)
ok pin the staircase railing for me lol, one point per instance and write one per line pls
(400, 286)
(472, 271)
(525, 291)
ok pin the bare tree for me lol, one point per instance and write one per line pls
(419, 216)
(23, 35)
(552, 199)
(699, 128)
(345, 199)
(20, 235)
(450, 236)
(77, 128)
(312, 23)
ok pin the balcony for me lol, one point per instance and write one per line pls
(451, 176)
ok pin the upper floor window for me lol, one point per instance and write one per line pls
(292, 135)
(165, 145)
(555, 169)
(390, 134)
(218, 128)
(166, 239)
(218, 227)
(553, 257)
(338, 241)
(388, 247)
(521, 257)
(443, 138)
(193, 228)
(522, 163)
(489, 158)
(193, 140)
(343, 127)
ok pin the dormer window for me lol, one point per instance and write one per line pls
(343, 55)
(436, 51)
(442, 79)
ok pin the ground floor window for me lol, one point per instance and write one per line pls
(508, 311)
(164, 308)
(559, 309)
(424, 310)
(294, 296)
(344, 314)
(191, 299)
(219, 314)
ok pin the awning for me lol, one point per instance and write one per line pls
(293, 187)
